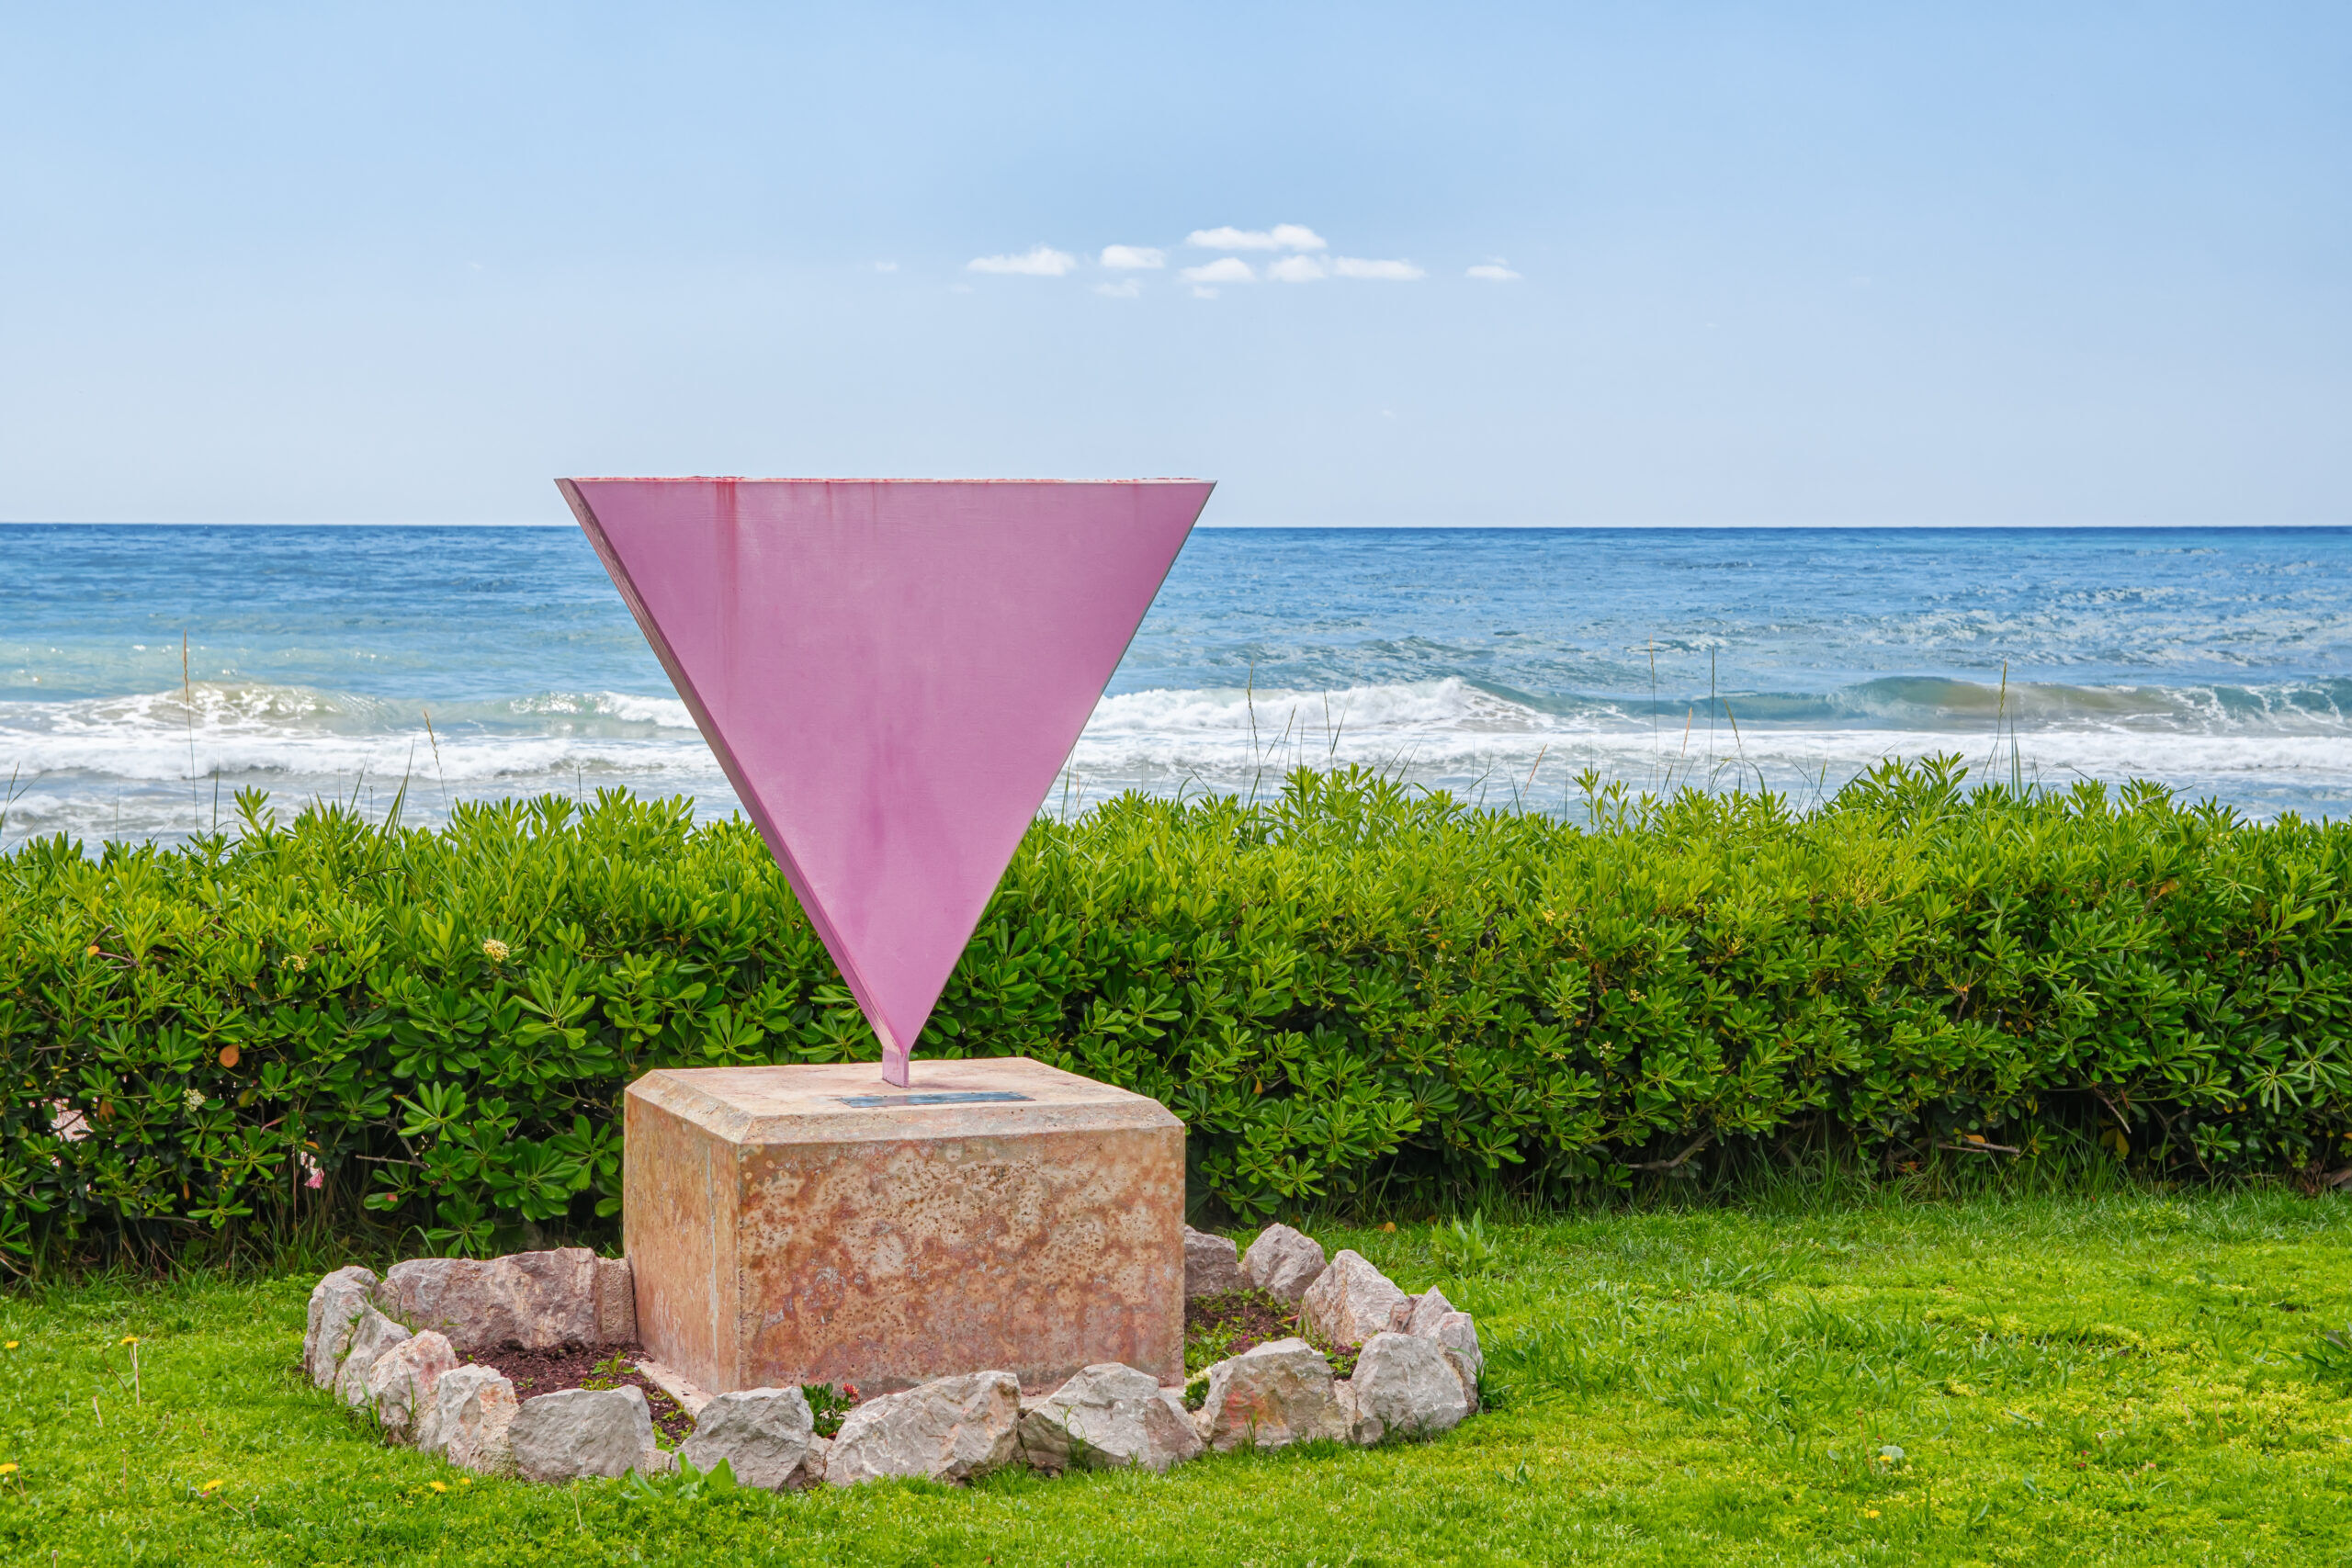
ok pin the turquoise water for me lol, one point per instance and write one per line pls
(1494, 661)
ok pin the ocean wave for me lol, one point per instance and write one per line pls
(2313, 707)
(150, 764)
(1929, 703)
(1451, 703)
(257, 728)
(668, 713)
(2267, 750)
(1451, 750)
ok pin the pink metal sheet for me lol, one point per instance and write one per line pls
(892, 672)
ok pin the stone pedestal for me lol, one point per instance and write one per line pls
(813, 1224)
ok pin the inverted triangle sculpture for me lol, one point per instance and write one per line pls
(892, 672)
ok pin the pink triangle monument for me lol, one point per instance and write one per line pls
(892, 672)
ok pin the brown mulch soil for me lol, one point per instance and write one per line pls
(1230, 1322)
(534, 1372)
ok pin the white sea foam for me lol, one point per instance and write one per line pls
(667, 712)
(1449, 705)
(149, 762)
(151, 765)
(1450, 734)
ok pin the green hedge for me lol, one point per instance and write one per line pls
(1357, 993)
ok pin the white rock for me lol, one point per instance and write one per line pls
(372, 1335)
(1424, 1311)
(1350, 1302)
(615, 1290)
(762, 1434)
(1363, 1431)
(1282, 1262)
(471, 1420)
(1212, 1264)
(1469, 1376)
(1408, 1384)
(336, 1303)
(538, 1300)
(1458, 1332)
(1271, 1396)
(1108, 1416)
(949, 1429)
(812, 1468)
(578, 1432)
(400, 1382)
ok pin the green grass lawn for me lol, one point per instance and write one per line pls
(2116, 1380)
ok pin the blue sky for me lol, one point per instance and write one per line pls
(1766, 264)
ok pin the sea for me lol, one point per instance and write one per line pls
(149, 673)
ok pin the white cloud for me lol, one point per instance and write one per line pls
(1125, 288)
(1225, 269)
(1296, 269)
(1133, 257)
(886, 267)
(1043, 262)
(1280, 237)
(1388, 271)
(1495, 271)
(1199, 293)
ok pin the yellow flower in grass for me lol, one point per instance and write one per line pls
(438, 1485)
(12, 1344)
(212, 1486)
(1869, 1513)
(129, 1339)
(7, 1470)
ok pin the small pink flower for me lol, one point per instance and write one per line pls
(316, 1177)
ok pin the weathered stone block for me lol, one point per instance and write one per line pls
(615, 1302)
(337, 1303)
(1410, 1384)
(471, 1420)
(1351, 1300)
(764, 1435)
(812, 1472)
(1363, 1430)
(950, 1429)
(400, 1382)
(372, 1335)
(576, 1433)
(810, 1224)
(1105, 1417)
(537, 1300)
(1422, 1312)
(1458, 1332)
(1212, 1264)
(1271, 1396)
(1284, 1262)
